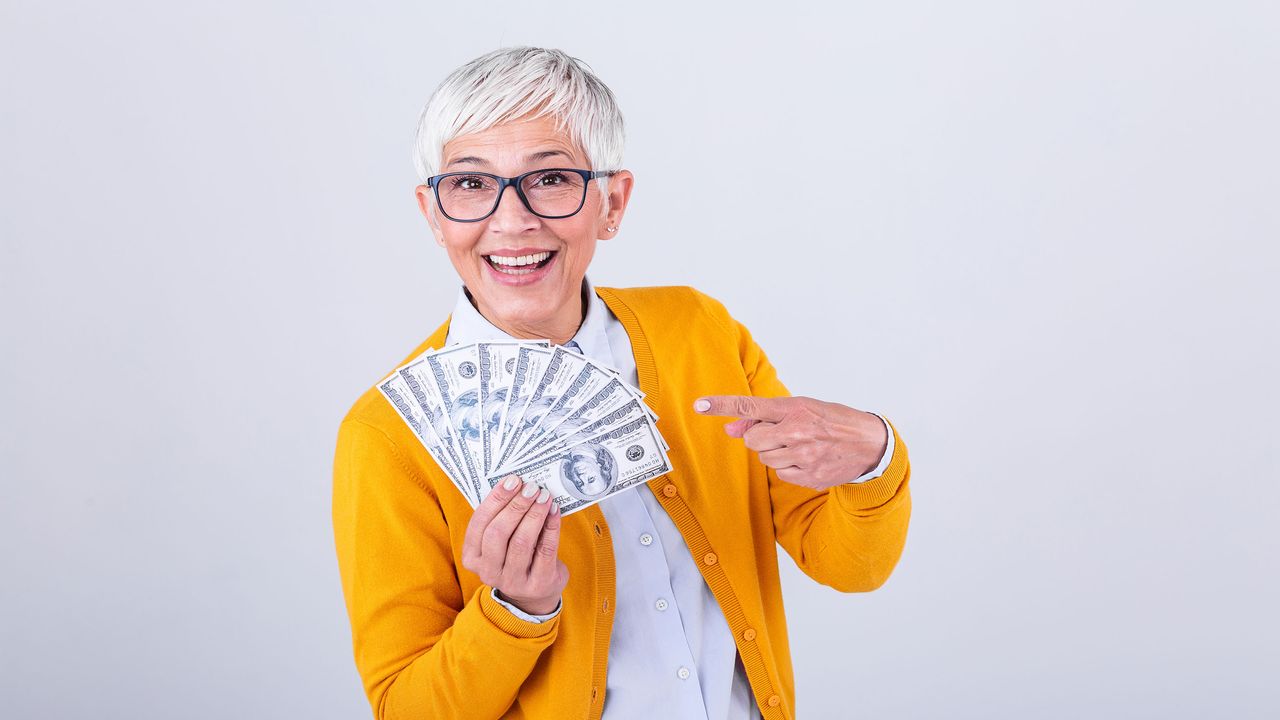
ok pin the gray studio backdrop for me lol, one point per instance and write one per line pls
(1040, 237)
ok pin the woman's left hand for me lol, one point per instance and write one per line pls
(808, 442)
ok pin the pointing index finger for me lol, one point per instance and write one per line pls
(742, 406)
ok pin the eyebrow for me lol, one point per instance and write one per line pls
(473, 160)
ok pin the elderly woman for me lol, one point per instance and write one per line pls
(660, 601)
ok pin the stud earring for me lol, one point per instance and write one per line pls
(611, 228)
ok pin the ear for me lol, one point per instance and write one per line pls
(427, 205)
(617, 195)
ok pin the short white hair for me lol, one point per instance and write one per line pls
(510, 83)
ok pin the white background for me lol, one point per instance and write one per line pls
(1039, 237)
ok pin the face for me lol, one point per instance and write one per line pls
(588, 476)
(541, 300)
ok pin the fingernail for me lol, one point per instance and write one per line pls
(702, 405)
(529, 490)
(542, 496)
(511, 482)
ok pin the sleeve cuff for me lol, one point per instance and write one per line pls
(493, 593)
(501, 617)
(885, 459)
(864, 497)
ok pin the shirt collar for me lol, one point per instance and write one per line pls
(467, 325)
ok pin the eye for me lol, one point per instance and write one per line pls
(468, 182)
(551, 179)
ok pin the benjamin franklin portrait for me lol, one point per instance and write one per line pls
(589, 471)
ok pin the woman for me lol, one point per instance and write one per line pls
(660, 600)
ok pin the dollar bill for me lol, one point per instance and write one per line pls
(486, 409)
(497, 362)
(605, 399)
(396, 390)
(456, 372)
(605, 464)
(580, 430)
(587, 383)
(427, 390)
(562, 367)
(530, 362)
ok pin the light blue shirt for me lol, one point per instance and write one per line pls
(671, 653)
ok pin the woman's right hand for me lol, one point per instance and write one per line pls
(511, 543)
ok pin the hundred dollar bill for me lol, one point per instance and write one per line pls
(425, 392)
(456, 373)
(580, 430)
(421, 378)
(397, 392)
(562, 369)
(587, 383)
(530, 362)
(604, 399)
(497, 361)
(603, 465)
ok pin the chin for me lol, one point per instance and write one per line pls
(520, 307)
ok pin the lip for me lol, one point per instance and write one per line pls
(518, 252)
(520, 280)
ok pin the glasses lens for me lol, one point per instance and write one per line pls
(554, 192)
(467, 197)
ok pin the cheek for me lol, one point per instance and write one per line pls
(582, 247)
(460, 243)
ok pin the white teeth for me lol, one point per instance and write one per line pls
(520, 260)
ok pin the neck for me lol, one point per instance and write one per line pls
(559, 330)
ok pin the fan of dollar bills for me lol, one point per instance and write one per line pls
(544, 412)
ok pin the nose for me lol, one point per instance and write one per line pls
(511, 215)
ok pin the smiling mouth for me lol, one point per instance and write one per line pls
(522, 264)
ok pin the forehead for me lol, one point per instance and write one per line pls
(513, 145)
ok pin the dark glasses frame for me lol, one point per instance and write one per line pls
(433, 182)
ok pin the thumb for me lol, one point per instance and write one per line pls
(738, 427)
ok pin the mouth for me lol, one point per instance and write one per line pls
(518, 265)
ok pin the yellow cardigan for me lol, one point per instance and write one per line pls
(429, 640)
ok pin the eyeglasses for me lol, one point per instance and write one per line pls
(551, 193)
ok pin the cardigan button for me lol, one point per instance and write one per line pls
(593, 692)
(749, 634)
(709, 558)
(774, 701)
(669, 490)
(598, 531)
(604, 607)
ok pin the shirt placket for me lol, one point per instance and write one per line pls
(650, 592)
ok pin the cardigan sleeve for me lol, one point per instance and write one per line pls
(421, 647)
(849, 536)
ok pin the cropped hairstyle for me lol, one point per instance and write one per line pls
(511, 83)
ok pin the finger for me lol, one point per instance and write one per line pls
(794, 475)
(493, 544)
(525, 538)
(492, 504)
(743, 406)
(764, 436)
(780, 458)
(737, 427)
(544, 558)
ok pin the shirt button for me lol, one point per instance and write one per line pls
(661, 604)
(709, 558)
(646, 539)
(669, 490)
(749, 634)
(683, 672)
(774, 701)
